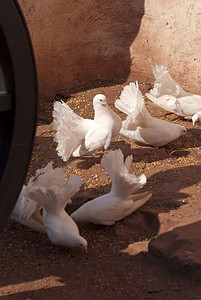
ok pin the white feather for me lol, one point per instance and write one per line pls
(196, 118)
(119, 202)
(60, 228)
(164, 84)
(140, 125)
(27, 212)
(76, 136)
(168, 95)
(48, 189)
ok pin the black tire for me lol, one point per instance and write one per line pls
(18, 105)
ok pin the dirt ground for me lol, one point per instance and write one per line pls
(118, 264)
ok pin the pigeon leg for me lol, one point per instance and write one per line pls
(96, 159)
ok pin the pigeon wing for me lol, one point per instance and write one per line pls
(188, 106)
(27, 212)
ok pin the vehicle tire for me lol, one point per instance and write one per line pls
(18, 105)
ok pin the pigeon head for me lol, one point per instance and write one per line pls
(196, 118)
(80, 242)
(183, 130)
(99, 100)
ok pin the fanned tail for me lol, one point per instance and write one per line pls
(53, 200)
(48, 176)
(123, 183)
(73, 186)
(165, 84)
(132, 103)
(67, 124)
(130, 99)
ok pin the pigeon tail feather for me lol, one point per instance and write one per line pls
(72, 187)
(123, 183)
(51, 199)
(165, 84)
(48, 176)
(129, 99)
(65, 120)
(132, 103)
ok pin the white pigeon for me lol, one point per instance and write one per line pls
(140, 125)
(60, 228)
(168, 95)
(27, 211)
(119, 202)
(77, 136)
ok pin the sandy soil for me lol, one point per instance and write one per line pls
(118, 263)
